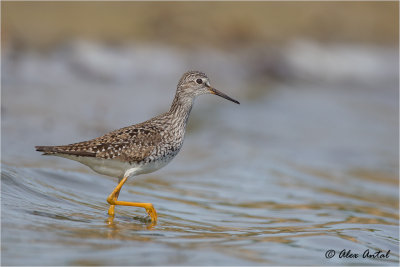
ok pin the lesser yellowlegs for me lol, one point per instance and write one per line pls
(140, 148)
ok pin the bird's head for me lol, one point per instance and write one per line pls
(195, 83)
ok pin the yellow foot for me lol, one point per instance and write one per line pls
(148, 206)
(111, 210)
(151, 211)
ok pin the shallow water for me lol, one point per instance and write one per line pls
(281, 179)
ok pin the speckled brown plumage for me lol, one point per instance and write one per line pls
(158, 139)
(133, 143)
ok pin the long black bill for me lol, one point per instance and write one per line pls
(216, 92)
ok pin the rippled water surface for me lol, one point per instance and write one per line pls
(300, 169)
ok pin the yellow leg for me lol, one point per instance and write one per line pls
(112, 200)
(112, 207)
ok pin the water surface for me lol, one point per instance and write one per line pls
(299, 168)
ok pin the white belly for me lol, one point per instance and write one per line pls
(116, 168)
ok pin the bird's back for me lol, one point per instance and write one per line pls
(153, 143)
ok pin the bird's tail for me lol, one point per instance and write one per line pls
(66, 150)
(47, 150)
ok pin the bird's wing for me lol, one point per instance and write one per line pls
(133, 144)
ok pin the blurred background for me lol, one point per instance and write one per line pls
(308, 162)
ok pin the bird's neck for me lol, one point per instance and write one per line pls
(181, 107)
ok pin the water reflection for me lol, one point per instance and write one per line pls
(143, 221)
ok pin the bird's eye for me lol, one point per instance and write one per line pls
(199, 81)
